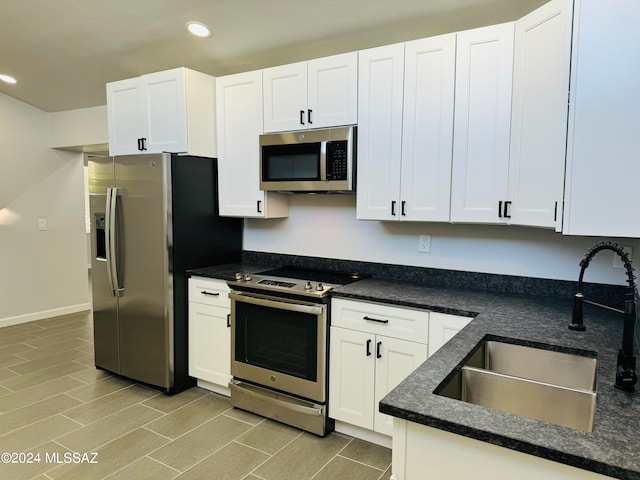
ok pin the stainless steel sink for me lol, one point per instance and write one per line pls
(549, 385)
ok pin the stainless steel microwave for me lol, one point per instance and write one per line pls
(320, 160)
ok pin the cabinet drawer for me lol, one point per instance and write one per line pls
(209, 291)
(380, 319)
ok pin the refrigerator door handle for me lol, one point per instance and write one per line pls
(111, 234)
(107, 239)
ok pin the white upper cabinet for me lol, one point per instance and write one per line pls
(420, 157)
(239, 113)
(405, 130)
(124, 118)
(539, 115)
(380, 93)
(482, 120)
(169, 111)
(315, 94)
(603, 168)
(427, 135)
(285, 97)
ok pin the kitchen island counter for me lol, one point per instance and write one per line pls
(610, 449)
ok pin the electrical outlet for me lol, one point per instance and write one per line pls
(42, 224)
(617, 261)
(424, 243)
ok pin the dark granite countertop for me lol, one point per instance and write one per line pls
(228, 271)
(610, 449)
(613, 445)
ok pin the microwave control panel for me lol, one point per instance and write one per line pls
(337, 161)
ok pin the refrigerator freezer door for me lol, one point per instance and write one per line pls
(105, 304)
(145, 300)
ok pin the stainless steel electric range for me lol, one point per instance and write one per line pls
(279, 344)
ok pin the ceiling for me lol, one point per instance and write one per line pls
(63, 52)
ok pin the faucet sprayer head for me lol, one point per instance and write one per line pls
(577, 317)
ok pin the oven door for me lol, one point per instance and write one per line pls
(279, 343)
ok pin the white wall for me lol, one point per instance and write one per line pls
(325, 226)
(42, 273)
(84, 129)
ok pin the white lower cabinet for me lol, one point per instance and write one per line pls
(421, 452)
(370, 354)
(210, 333)
(442, 328)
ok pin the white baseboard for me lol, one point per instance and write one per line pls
(55, 312)
(214, 388)
(363, 434)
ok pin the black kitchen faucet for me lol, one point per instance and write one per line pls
(626, 372)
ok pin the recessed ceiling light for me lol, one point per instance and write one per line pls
(199, 29)
(8, 78)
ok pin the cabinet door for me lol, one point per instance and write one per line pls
(380, 85)
(332, 96)
(604, 114)
(239, 114)
(539, 115)
(164, 111)
(209, 343)
(443, 327)
(285, 97)
(484, 66)
(351, 378)
(396, 359)
(124, 118)
(427, 128)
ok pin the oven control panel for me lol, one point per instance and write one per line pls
(280, 284)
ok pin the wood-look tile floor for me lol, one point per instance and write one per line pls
(61, 418)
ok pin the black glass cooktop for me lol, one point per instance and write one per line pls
(313, 275)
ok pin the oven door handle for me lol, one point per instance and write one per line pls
(282, 305)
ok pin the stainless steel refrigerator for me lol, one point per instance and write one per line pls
(152, 218)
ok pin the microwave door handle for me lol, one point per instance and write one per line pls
(323, 161)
